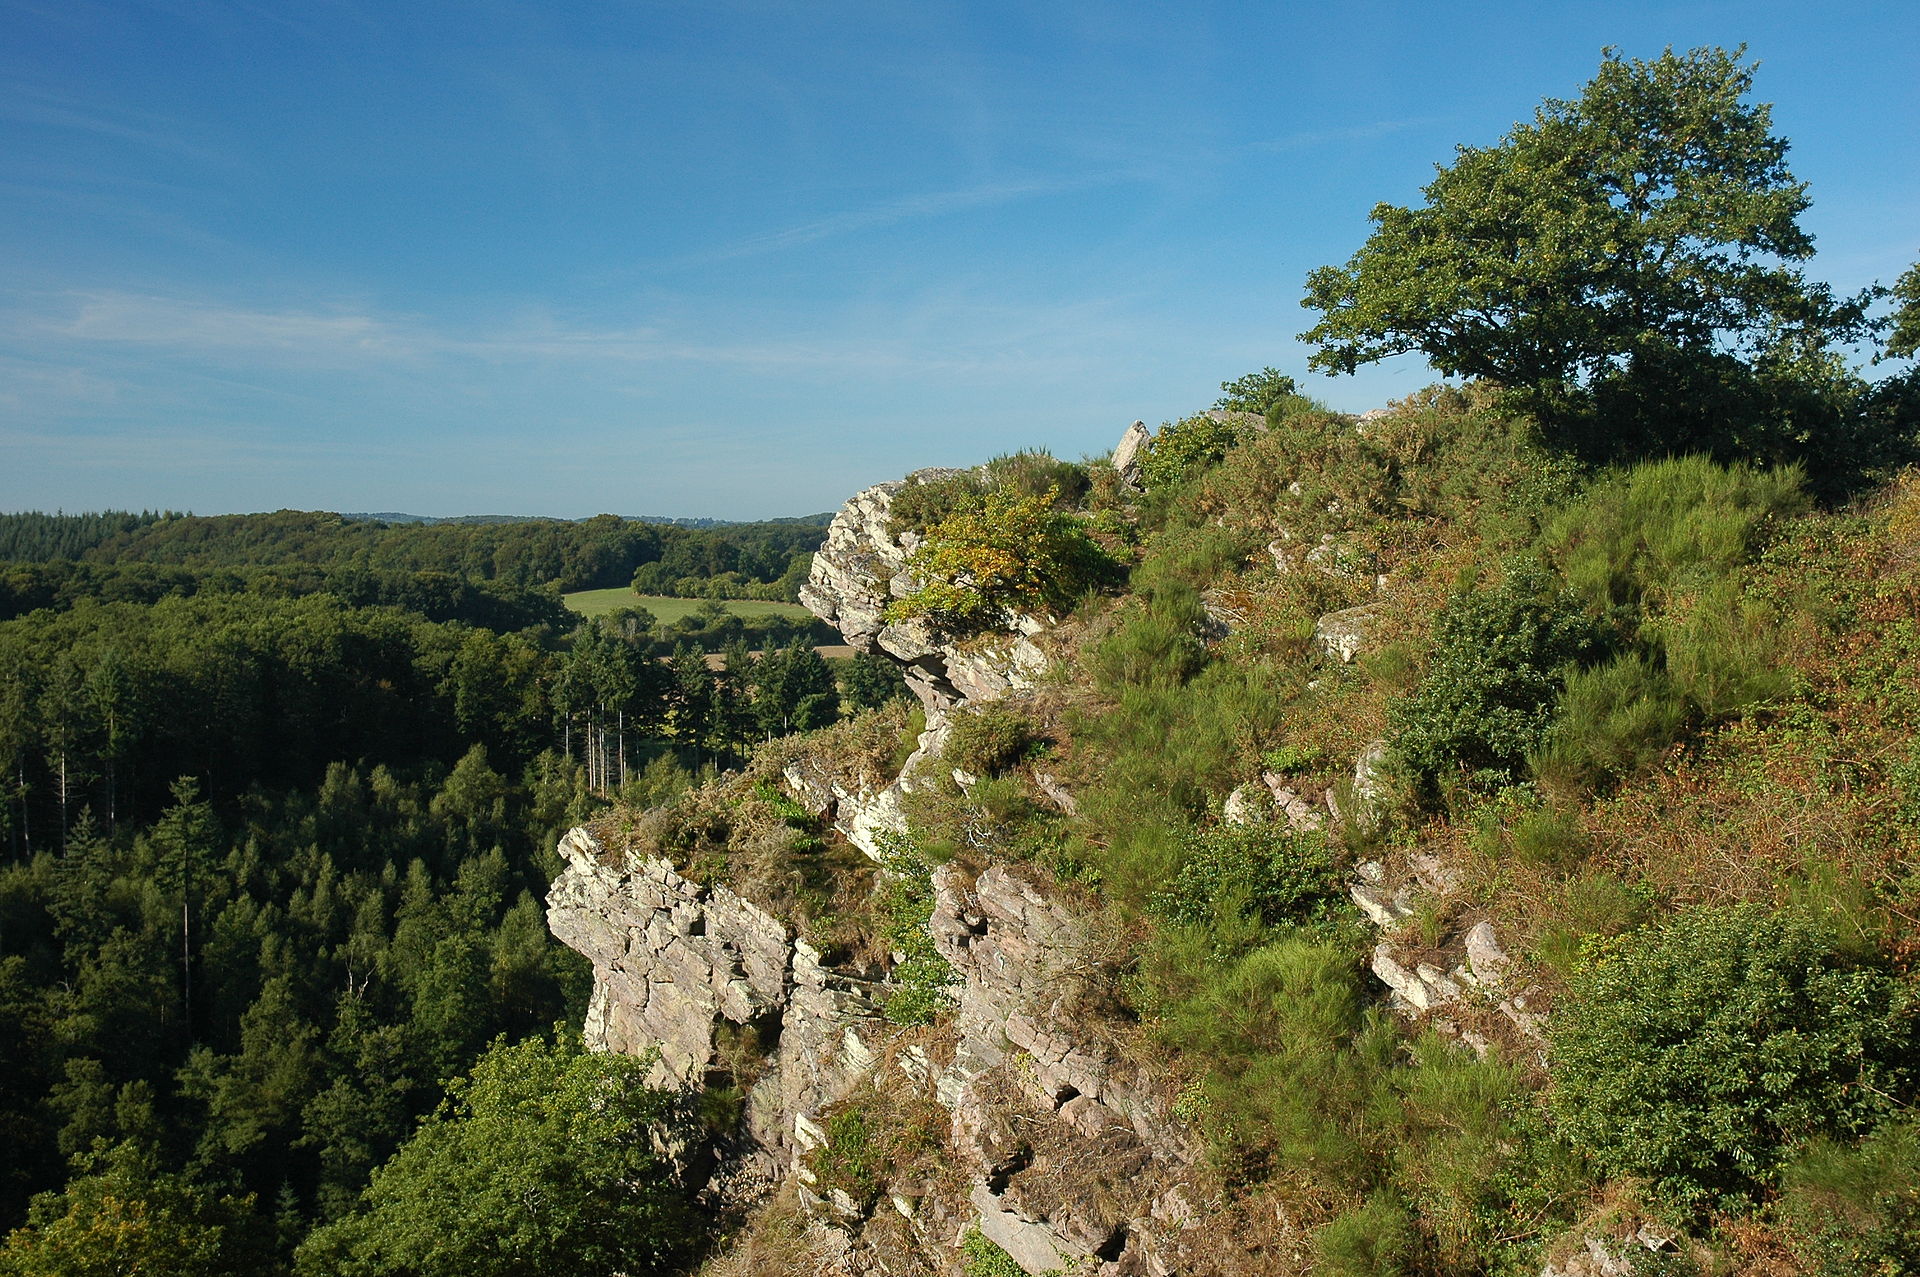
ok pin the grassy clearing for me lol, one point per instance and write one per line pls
(666, 610)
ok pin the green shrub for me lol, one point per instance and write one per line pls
(1293, 759)
(1597, 906)
(1856, 1209)
(919, 986)
(1471, 1155)
(1185, 448)
(924, 504)
(853, 1158)
(1698, 1053)
(1258, 392)
(1498, 664)
(1156, 643)
(1007, 552)
(1550, 838)
(1663, 528)
(1295, 1061)
(987, 739)
(1375, 1241)
(1267, 871)
(1614, 720)
(1035, 473)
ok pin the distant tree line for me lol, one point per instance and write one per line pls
(603, 552)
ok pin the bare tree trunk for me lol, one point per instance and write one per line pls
(186, 959)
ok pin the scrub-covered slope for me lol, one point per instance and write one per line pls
(1372, 845)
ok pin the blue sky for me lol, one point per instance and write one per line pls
(741, 259)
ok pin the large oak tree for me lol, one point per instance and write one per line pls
(1627, 263)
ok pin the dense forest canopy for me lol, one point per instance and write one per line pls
(597, 553)
(278, 802)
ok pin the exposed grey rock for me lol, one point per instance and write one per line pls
(1128, 452)
(1422, 988)
(1343, 635)
(1034, 1246)
(1336, 558)
(1383, 910)
(1301, 814)
(1610, 1256)
(1485, 958)
(1056, 793)
(861, 567)
(1222, 616)
(1370, 775)
(673, 959)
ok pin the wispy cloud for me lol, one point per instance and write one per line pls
(905, 208)
(47, 109)
(1308, 139)
(948, 332)
(142, 320)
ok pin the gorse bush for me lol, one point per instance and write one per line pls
(1006, 553)
(1698, 1053)
(1647, 536)
(1268, 871)
(1295, 1060)
(923, 504)
(1183, 449)
(1656, 551)
(1856, 1209)
(1499, 660)
(987, 739)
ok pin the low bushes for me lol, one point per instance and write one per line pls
(1007, 552)
(1698, 1053)
(1498, 663)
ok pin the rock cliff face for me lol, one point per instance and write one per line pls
(863, 566)
(679, 968)
(1057, 1147)
(1058, 1150)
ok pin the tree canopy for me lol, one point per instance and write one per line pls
(1627, 262)
(544, 1161)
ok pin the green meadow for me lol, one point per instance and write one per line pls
(667, 610)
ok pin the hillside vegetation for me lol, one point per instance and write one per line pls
(1589, 682)
(1626, 648)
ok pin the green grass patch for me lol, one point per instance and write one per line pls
(667, 610)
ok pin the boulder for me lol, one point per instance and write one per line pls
(1127, 454)
(1345, 634)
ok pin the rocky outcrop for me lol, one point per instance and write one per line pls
(1067, 1154)
(1059, 1150)
(695, 972)
(1130, 451)
(1345, 634)
(862, 567)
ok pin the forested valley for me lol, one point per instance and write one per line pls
(278, 801)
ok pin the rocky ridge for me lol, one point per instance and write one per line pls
(1058, 1149)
